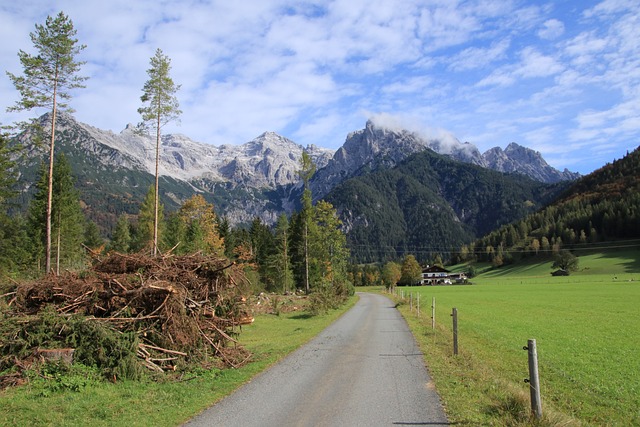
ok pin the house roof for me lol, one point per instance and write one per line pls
(435, 269)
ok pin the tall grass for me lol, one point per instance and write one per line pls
(587, 328)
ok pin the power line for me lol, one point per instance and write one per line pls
(626, 244)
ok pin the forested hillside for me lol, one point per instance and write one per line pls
(601, 208)
(431, 204)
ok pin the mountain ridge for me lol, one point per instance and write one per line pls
(255, 179)
(376, 146)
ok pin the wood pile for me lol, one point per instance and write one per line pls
(183, 309)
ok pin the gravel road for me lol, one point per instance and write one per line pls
(364, 370)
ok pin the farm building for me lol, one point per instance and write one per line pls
(436, 275)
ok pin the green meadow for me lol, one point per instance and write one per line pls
(587, 330)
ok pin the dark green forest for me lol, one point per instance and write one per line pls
(430, 204)
(600, 210)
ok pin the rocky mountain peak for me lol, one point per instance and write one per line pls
(518, 159)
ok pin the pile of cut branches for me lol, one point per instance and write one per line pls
(168, 312)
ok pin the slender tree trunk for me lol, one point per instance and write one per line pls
(50, 189)
(286, 265)
(58, 245)
(155, 220)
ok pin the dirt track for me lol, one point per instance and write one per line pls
(364, 370)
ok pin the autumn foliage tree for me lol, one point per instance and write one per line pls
(411, 272)
(391, 273)
(196, 228)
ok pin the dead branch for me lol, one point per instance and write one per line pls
(163, 350)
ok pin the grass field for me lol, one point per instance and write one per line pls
(587, 329)
(80, 400)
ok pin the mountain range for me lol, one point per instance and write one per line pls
(255, 179)
(377, 147)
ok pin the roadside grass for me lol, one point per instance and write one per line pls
(82, 399)
(586, 328)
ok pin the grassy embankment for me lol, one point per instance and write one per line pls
(586, 328)
(130, 403)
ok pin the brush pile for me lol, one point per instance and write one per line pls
(162, 313)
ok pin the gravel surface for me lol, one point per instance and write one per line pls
(364, 370)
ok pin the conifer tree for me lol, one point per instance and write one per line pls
(13, 254)
(92, 238)
(199, 224)
(68, 221)
(280, 262)
(48, 77)
(14, 245)
(329, 252)
(160, 107)
(121, 240)
(8, 173)
(149, 221)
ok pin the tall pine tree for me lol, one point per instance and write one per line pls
(46, 83)
(160, 107)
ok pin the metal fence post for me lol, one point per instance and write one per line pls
(534, 380)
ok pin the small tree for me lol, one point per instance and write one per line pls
(279, 262)
(328, 246)
(471, 271)
(200, 227)
(150, 218)
(48, 77)
(121, 240)
(391, 274)
(565, 260)
(160, 107)
(411, 272)
(92, 238)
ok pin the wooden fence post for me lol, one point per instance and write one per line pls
(534, 380)
(433, 312)
(454, 313)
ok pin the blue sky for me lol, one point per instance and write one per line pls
(561, 77)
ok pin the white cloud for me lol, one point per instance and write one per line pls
(478, 57)
(536, 64)
(551, 29)
(309, 69)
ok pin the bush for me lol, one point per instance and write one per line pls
(95, 343)
(327, 296)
